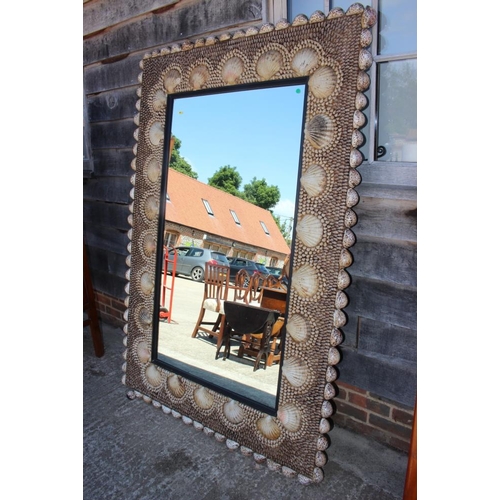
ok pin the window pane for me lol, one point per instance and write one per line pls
(397, 25)
(343, 4)
(306, 7)
(397, 110)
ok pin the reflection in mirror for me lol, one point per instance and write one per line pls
(229, 200)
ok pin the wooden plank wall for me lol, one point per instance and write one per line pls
(379, 351)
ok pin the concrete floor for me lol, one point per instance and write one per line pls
(132, 450)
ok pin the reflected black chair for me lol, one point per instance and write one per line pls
(248, 324)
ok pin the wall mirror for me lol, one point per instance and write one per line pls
(326, 57)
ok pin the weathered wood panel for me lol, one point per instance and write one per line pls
(105, 13)
(396, 174)
(185, 20)
(111, 162)
(393, 261)
(123, 73)
(110, 189)
(119, 134)
(108, 262)
(113, 105)
(109, 284)
(387, 377)
(106, 238)
(106, 214)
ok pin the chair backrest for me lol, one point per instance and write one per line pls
(241, 284)
(271, 281)
(216, 282)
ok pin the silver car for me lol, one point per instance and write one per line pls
(191, 261)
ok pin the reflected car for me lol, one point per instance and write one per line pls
(275, 271)
(191, 261)
(238, 263)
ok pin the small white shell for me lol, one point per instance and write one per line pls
(273, 466)
(187, 420)
(343, 280)
(341, 300)
(269, 428)
(232, 70)
(298, 328)
(310, 230)
(359, 119)
(247, 452)
(305, 281)
(349, 238)
(345, 258)
(366, 38)
(314, 180)
(287, 472)
(219, 437)
(329, 392)
(339, 318)
(232, 445)
(159, 100)
(320, 131)
(156, 133)
(260, 459)
(350, 218)
(324, 426)
(199, 76)
(355, 158)
(176, 386)
(203, 398)
(361, 101)
(321, 459)
(147, 283)
(357, 138)
(304, 61)
(153, 376)
(151, 207)
(143, 352)
(299, 20)
(352, 198)
(282, 24)
(363, 82)
(335, 13)
(365, 59)
(355, 8)
(233, 412)
(145, 317)
(368, 18)
(171, 80)
(331, 374)
(316, 17)
(323, 82)
(266, 28)
(326, 409)
(153, 170)
(333, 356)
(269, 64)
(295, 371)
(290, 417)
(149, 245)
(336, 336)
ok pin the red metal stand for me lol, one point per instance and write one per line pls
(166, 312)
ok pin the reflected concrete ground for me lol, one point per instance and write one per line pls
(197, 355)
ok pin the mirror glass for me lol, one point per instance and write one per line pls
(254, 134)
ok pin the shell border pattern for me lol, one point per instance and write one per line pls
(332, 51)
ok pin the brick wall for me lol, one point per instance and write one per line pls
(110, 309)
(365, 413)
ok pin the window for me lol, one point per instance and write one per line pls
(391, 133)
(235, 217)
(208, 207)
(264, 227)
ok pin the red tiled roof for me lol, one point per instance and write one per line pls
(186, 208)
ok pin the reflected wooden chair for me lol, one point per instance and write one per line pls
(216, 288)
(250, 325)
(241, 286)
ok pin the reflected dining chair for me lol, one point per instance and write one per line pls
(250, 325)
(241, 286)
(215, 290)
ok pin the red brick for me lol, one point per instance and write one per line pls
(378, 407)
(352, 411)
(398, 443)
(341, 393)
(357, 399)
(390, 426)
(351, 387)
(402, 416)
(103, 299)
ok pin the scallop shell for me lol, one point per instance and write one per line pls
(320, 131)
(203, 398)
(159, 100)
(149, 245)
(269, 428)
(269, 64)
(232, 70)
(339, 318)
(156, 133)
(145, 317)
(290, 417)
(147, 283)
(298, 328)
(151, 207)
(176, 386)
(295, 371)
(305, 281)
(304, 61)
(345, 258)
(153, 170)
(199, 76)
(234, 412)
(314, 180)
(143, 352)
(171, 80)
(153, 376)
(341, 300)
(310, 230)
(336, 336)
(323, 82)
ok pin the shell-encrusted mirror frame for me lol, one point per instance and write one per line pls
(332, 51)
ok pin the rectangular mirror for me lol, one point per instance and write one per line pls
(326, 58)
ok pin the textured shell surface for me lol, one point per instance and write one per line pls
(304, 61)
(159, 100)
(343, 280)
(320, 131)
(345, 258)
(335, 13)
(321, 458)
(341, 300)
(323, 82)
(232, 70)
(151, 207)
(350, 218)
(361, 101)
(310, 230)
(203, 398)
(349, 238)
(305, 281)
(233, 412)
(297, 327)
(325, 426)
(153, 376)
(316, 17)
(314, 180)
(171, 80)
(145, 317)
(156, 133)
(176, 385)
(147, 283)
(199, 76)
(299, 20)
(269, 428)
(143, 352)
(295, 371)
(352, 198)
(339, 318)
(363, 82)
(153, 170)
(356, 158)
(326, 409)
(357, 139)
(333, 356)
(149, 245)
(336, 336)
(331, 374)
(290, 417)
(269, 64)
